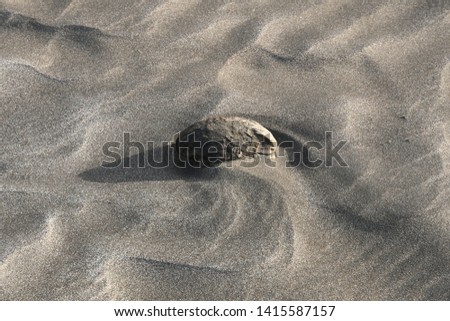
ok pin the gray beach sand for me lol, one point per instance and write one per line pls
(78, 74)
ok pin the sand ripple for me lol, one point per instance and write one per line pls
(76, 74)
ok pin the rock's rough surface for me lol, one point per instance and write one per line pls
(219, 139)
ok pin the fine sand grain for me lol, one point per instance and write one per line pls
(76, 74)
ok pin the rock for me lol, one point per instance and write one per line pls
(218, 139)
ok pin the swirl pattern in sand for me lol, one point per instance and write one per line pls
(78, 74)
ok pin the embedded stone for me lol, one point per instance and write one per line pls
(218, 139)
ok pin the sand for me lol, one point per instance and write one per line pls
(77, 74)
